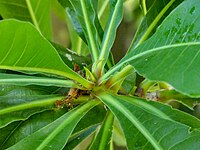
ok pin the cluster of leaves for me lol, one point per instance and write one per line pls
(37, 73)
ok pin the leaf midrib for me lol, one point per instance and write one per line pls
(120, 64)
(73, 76)
(104, 50)
(33, 104)
(73, 116)
(30, 9)
(134, 120)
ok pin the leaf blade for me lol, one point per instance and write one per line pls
(23, 80)
(45, 137)
(21, 53)
(28, 10)
(103, 138)
(176, 51)
(110, 31)
(12, 107)
(159, 127)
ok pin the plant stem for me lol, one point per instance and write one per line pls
(32, 15)
(144, 7)
(118, 76)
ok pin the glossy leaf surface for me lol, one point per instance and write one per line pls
(174, 56)
(83, 15)
(60, 130)
(20, 51)
(88, 124)
(147, 127)
(36, 12)
(20, 107)
(115, 18)
(16, 131)
(104, 136)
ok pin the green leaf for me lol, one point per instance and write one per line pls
(14, 90)
(116, 11)
(129, 83)
(103, 138)
(73, 143)
(16, 131)
(70, 58)
(23, 48)
(154, 17)
(36, 12)
(23, 80)
(86, 126)
(147, 127)
(72, 18)
(103, 9)
(6, 132)
(86, 14)
(60, 130)
(174, 58)
(20, 107)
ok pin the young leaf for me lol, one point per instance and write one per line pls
(103, 9)
(103, 138)
(77, 38)
(12, 107)
(110, 31)
(23, 80)
(56, 134)
(73, 19)
(147, 127)
(174, 58)
(23, 48)
(87, 15)
(36, 12)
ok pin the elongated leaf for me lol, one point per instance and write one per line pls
(86, 126)
(174, 58)
(73, 19)
(56, 134)
(28, 80)
(86, 14)
(110, 30)
(147, 127)
(103, 9)
(19, 107)
(103, 138)
(19, 130)
(14, 90)
(23, 48)
(36, 12)
(84, 18)
(155, 15)
(77, 38)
